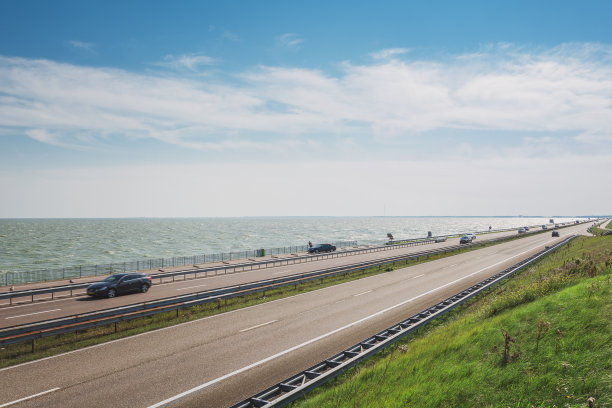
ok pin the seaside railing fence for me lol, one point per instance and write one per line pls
(79, 271)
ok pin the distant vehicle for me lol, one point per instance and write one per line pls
(556, 225)
(526, 228)
(521, 230)
(544, 227)
(555, 233)
(466, 239)
(471, 235)
(119, 284)
(321, 248)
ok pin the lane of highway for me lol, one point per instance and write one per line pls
(32, 312)
(222, 359)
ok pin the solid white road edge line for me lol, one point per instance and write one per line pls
(30, 397)
(191, 287)
(32, 314)
(289, 350)
(108, 343)
(259, 325)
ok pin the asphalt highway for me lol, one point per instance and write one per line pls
(23, 311)
(45, 308)
(218, 361)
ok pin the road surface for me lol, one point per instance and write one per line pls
(218, 361)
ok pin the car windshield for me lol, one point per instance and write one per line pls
(113, 278)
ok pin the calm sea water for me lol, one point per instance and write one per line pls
(32, 244)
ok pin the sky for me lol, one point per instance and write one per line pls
(305, 108)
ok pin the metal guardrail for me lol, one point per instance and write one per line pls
(79, 271)
(214, 271)
(32, 331)
(298, 385)
(234, 268)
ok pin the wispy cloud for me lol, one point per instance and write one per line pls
(191, 62)
(224, 33)
(289, 40)
(81, 45)
(562, 91)
(389, 53)
(229, 35)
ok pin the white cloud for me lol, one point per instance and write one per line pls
(595, 138)
(82, 45)
(290, 40)
(565, 90)
(191, 62)
(389, 53)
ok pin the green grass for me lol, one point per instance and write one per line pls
(542, 339)
(598, 231)
(609, 226)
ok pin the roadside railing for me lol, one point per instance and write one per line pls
(200, 272)
(296, 386)
(80, 271)
(37, 330)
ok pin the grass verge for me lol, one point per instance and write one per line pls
(598, 231)
(542, 339)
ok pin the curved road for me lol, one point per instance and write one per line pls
(218, 361)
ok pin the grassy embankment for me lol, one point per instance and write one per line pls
(598, 231)
(48, 346)
(542, 339)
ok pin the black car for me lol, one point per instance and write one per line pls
(466, 239)
(119, 284)
(321, 248)
(555, 233)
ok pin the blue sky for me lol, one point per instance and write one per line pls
(236, 108)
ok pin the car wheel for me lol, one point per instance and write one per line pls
(111, 293)
(144, 288)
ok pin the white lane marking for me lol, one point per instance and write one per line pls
(362, 293)
(109, 343)
(259, 325)
(292, 349)
(31, 314)
(418, 276)
(30, 397)
(450, 266)
(191, 287)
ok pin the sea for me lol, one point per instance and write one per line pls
(36, 244)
